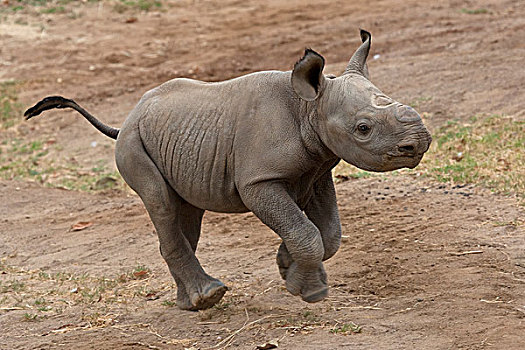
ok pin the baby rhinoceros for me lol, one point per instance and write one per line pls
(265, 142)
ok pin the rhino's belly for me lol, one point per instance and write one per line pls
(203, 177)
(204, 181)
(215, 196)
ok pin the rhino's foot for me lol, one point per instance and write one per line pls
(310, 284)
(207, 295)
(284, 260)
(202, 297)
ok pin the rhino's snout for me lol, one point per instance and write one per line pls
(419, 140)
(415, 146)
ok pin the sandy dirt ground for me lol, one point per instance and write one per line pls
(423, 265)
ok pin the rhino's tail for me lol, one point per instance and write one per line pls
(61, 102)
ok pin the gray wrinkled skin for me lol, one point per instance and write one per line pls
(265, 142)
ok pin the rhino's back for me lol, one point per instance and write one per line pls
(188, 129)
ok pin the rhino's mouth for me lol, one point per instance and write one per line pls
(396, 155)
(392, 162)
(398, 161)
(393, 155)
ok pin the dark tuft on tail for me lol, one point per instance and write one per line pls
(47, 103)
(52, 102)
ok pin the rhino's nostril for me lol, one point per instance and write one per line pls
(406, 149)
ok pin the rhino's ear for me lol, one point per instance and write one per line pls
(307, 75)
(357, 63)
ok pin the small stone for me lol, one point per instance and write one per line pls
(458, 157)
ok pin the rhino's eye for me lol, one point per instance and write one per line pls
(363, 129)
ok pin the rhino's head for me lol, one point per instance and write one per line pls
(355, 120)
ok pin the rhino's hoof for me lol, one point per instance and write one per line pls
(312, 286)
(213, 292)
(315, 296)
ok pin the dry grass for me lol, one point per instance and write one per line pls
(38, 294)
(39, 7)
(10, 108)
(30, 160)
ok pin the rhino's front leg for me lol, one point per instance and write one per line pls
(322, 211)
(271, 203)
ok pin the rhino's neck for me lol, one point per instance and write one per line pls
(310, 118)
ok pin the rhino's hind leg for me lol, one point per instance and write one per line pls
(176, 221)
(190, 219)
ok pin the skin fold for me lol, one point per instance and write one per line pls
(265, 142)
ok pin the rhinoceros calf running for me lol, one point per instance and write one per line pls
(264, 142)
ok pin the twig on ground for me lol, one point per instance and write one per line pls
(69, 328)
(467, 252)
(229, 338)
(496, 301)
(504, 253)
(12, 308)
(143, 344)
(209, 322)
(516, 278)
(264, 291)
(401, 311)
(359, 307)
(513, 277)
(520, 310)
(153, 331)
